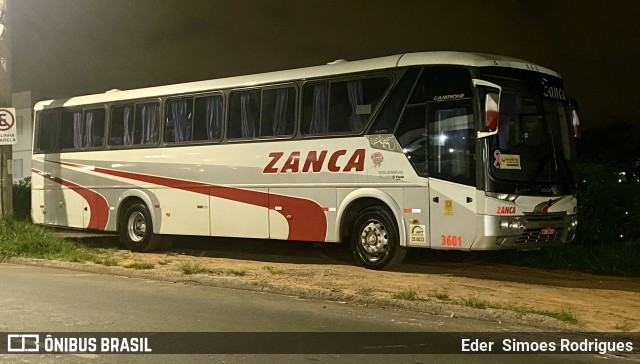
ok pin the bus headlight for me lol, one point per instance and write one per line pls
(502, 196)
(511, 225)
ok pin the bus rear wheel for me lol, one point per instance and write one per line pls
(375, 241)
(136, 229)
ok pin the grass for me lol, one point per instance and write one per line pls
(189, 268)
(20, 238)
(107, 261)
(443, 296)
(140, 265)
(237, 272)
(193, 268)
(623, 326)
(409, 295)
(564, 315)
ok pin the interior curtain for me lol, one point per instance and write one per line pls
(88, 130)
(150, 125)
(179, 113)
(354, 88)
(280, 114)
(213, 125)
(246, 116)
(319, 120)
(128, 125)
(78, 130)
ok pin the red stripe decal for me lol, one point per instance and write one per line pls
(308, 221)
(97, 203)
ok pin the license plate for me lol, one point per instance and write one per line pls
(548, 230)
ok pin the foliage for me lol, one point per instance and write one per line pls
(410, 295)
(19, 238)
(22, 199)
(608, 210)
(140, 265)
(192, 268)
(562, 315)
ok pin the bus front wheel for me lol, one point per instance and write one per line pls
(375, 241)
(136, 229)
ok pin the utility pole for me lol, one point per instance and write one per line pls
(6, 180)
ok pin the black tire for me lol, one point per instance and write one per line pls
(136, 229)
(375, 240)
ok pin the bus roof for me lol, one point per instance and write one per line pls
(333, 68)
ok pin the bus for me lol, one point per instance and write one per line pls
(441, 150)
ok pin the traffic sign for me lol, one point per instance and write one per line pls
(8, 126)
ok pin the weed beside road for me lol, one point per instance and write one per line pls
(20, 238)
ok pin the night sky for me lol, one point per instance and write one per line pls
(74, 47)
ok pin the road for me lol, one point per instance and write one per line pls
(54, 300)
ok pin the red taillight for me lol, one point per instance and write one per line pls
(491, 112)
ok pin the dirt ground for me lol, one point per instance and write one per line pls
(600, 303)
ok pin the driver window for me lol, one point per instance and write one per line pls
(452, 141)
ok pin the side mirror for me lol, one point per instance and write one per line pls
(491, 108)
(575, 120)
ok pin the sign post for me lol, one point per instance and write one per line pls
(8, 126)
(7, 116)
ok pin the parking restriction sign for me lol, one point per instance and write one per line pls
(8, 126)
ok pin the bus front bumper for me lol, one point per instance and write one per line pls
(524, 232)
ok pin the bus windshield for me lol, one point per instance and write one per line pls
(534, 144)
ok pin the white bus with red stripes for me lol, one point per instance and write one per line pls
(441, 150)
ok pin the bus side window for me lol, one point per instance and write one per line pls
(71, 130)
(147, 123)
(244, 114)
(48, 131)
(207, 118)
(341, 106)
(121, 128)
(277, 116)
(93, 133)
(179, 120)
(412, 136)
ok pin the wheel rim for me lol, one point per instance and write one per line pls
(137, 226)
(374, 241)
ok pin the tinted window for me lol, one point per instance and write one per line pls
(121, 120)
(194, 119)
(71, 130)
(442, 84)
(436, 130)
(179, 120)
(262, 113)
(93, 128)
(48, 131)
(137, 124)
(341, 106)
(207, 120)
